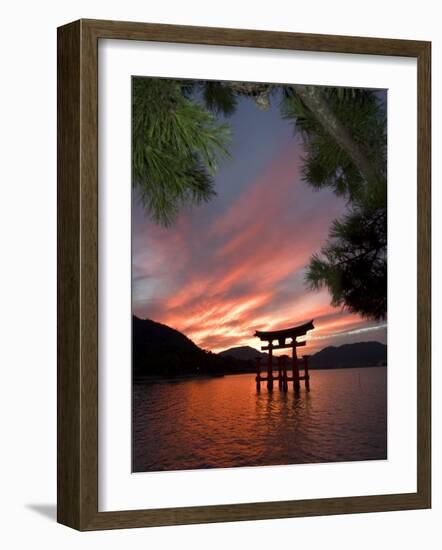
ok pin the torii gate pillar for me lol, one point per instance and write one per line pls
(295, 368)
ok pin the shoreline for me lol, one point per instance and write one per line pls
(156, 379)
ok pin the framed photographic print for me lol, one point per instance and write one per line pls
(243, 275)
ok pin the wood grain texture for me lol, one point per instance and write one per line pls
(77, 217)
(424, 274)
(252, 38)
(68, 276)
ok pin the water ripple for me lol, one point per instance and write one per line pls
(224, 422)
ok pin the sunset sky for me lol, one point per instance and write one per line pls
(236, 264)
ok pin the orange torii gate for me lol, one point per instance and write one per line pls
(281, 337)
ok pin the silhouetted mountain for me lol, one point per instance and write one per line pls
(159, 350)
(152, 337)
(360, 354)
(246, 353)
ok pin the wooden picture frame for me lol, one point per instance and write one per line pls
(78, 274)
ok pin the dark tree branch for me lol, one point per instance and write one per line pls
(319, 108)
(259, 92)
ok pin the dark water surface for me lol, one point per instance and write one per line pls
(224, 422)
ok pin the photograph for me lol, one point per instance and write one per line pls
(259, 274)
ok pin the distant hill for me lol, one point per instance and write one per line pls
(161, 351)
(360, 354)
(246, 353)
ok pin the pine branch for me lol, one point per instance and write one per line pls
(311, 95)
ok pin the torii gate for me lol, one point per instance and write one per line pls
(281, 337)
